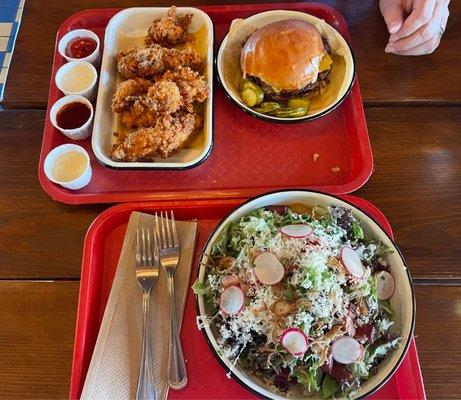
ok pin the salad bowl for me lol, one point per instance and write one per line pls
(402, 300)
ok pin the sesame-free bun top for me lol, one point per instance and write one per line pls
(284, 54)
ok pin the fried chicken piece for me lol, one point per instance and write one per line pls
(141, 61)
(164, 97)
(191, 84)
(128, 92)
(148, 61)
(139, 115)
(187, 57)
(168, 136)
(170, 30)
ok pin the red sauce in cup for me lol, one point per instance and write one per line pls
(80, 47)
(73, 115)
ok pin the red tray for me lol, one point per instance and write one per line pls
(249, 156)
(101, 251)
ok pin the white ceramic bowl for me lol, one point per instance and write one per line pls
(94, 58)
(402, 301)
(126, 29)
(78, 133)
(67, 73)
(77, 183)
(262, 19)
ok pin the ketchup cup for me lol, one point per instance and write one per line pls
(93, 58)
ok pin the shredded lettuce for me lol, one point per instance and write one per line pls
(329, 387)
(201, 288)
(359, 369)
(373, 353)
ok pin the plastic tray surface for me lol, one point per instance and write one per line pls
(249, 156)
(100, 257)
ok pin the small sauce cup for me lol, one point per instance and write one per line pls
(77, 77)
(93, 58)
(56, 161)
(81, 132)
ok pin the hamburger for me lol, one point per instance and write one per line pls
(287, 59)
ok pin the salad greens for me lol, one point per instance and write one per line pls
(289, 331)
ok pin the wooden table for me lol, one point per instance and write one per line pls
(413, 108)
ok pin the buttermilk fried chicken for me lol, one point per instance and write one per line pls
(163, 97)
(128, 92)
(148, 61)
(139, 115)
(170, 30)
(168, 136)
(141, 61)
(187, 57)
(191, 84)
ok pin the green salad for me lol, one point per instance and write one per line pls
(299, 297)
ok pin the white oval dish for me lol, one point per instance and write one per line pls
(50, 159)
(94, 58)
(402, 301)
(78, 133)
(67, 74)
(128, 29)
(262, 19)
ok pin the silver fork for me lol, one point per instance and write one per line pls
(147, 265)
(169, 258)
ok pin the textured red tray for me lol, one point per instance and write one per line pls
(249, 156)
(100, 256)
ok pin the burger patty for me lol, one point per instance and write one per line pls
(323, 80)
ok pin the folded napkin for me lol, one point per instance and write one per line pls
(113, 371)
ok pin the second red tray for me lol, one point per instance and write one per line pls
(249, 156)
(102, 248)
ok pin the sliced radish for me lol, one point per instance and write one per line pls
(298, 231)
(231, 301)
(352, 262)
(295, 341)
(346, 350)
(268, 269)
(385, 285)
(229, 280)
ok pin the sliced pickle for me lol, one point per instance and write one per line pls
(299, 102)
(291, 112)
(250, 97)
(268, 107)
(251, 93)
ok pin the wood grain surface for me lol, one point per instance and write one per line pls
(384, 78)
(413, 109)
(37, 321)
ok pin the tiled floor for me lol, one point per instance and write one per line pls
(10, 18)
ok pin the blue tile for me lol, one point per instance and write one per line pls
(8, 14)
(12, 39)
(9, 3)
(2, 57)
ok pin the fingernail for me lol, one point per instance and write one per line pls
(394, 27)
(389, 49)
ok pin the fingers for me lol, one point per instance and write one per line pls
(426, 38)
(427, 47)
(392, 12)
(420, 15)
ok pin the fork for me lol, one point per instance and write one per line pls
(147, 265)
(169, 258)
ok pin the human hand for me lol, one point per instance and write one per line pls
(415, 26)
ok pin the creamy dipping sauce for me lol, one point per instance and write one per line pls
(69, 166)
(77, 78)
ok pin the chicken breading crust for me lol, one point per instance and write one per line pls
(170, 30)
